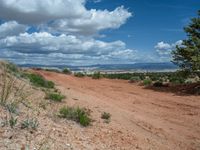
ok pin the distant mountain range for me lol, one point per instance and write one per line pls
(114, 67)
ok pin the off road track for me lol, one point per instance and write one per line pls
(141, 118)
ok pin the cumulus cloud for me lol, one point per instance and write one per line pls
(11, 28)
(163, 48)
(65, 32)
(63, 15)
(44, 46)
(37, 11)
(91, 22)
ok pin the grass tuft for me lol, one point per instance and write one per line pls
(79, 115)
(56, 97)
(40, 81)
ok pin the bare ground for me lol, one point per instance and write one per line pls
(141, 118)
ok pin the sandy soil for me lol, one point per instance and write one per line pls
(141, 118)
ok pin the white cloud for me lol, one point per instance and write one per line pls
(38, 11)
(11, 28)
(65, 16)
(77, 28)
(45, 47)
(164, 48)
(91, 22)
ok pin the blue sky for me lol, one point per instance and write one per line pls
(92, 31)
(152, 21)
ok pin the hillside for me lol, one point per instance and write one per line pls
(140, 118)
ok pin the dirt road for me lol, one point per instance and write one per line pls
(141, 118)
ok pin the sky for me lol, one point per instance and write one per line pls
(86, 32)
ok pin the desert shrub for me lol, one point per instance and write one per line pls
(56, 97)
(12, 68)
(79, 115)
(147, 82)
(96, 75)
(134, 79)
(177, 80)
(66, 71)
(52, 70)
(79, 74)
(105, 115)
(8, 82)
(30, 124)
(40, 81)
(158, 84)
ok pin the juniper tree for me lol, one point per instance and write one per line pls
(187, 56)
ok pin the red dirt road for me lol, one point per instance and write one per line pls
(141, 118)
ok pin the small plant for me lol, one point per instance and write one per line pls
(79, 115)
(177, 80)
(96, 75)
(12, 68)
(43, 105)
(66, 71)
(30, 124)
(12, 121)
(40, 81)
(79, 74)
(105, 115)
(57, 97)
(8, 82)
(135, 79)
(158, 84)
(147, 82)
(12, 108)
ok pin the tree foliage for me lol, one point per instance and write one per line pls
(187, 56)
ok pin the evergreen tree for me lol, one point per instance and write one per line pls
(187, 56)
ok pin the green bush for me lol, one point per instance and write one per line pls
(40, 81)
(147, 82)
(158, 84)
(96, 75)
(105, 115)
(134, 79)
(79, 74)
(57, 97)
(79, 115)
(177, 80)
(66, 71)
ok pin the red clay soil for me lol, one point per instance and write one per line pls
(141, 118)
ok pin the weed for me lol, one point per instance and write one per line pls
(40, 81)
(57, 97)
(43, 105)
(12, 68)
(105, 115)
(30, 124)
(12, 108)
(79, 115)
(12, 121)
(8, 83)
